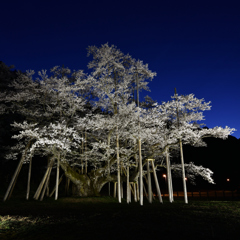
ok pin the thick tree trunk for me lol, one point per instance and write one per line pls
(86, 185)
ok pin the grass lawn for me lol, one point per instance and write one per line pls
(103, 217)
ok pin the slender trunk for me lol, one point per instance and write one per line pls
(183, 173)
(29, 178)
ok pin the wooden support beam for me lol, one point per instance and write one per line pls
(57, 178)
(29, 178)
(54, 189)
(16, 173)
(156, 182)
(149, 183)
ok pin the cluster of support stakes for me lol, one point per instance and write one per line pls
(43, 188)
(133, 187)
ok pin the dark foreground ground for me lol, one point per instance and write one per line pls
(104, 218)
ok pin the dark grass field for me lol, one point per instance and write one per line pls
(105, 218)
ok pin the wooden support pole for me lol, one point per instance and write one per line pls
(181, 154)
(135, 192)
(149, 183)
(46, 184)
(128, 186)
(139, 148)
(57, 177)
(37, 193)
(54, 189)
(16, 173)
(82, 153)
(121, 189)
(168, 176)
(140, 173)
(183, 173)
(147, 186)
(109, 184)
(108, 154)
(115, 190)
(137, 186)
(156, 182)
(145, 191)
(29, 178)
(47, 191)
(118, 167)
(39, 189)
(171, 185)
(15, 181)
(131, 188)
(85, 152)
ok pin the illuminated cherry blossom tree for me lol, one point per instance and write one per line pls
(94, 127)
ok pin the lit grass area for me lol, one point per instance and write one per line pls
(104, 217)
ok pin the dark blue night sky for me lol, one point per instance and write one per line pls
(193, 46)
